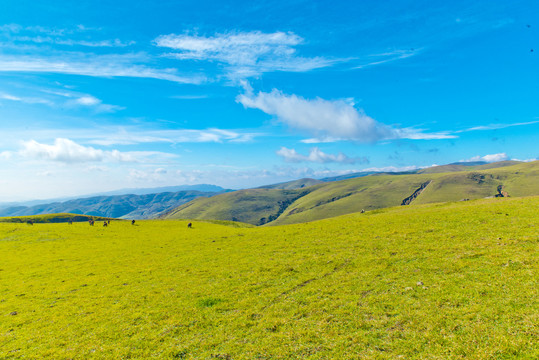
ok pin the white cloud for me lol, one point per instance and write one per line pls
(6, 155)
(318, 156)
(336, 119)
(327, 120)
(489, 158)
(245, 53)
(88, 100)
(232, 48)
(68, 151)
(95, 103)
(138, 175)
(95, 168)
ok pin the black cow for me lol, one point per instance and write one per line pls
(189, 225)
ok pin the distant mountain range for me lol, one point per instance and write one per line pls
(132, 204)
(157, 190)
(300, 200)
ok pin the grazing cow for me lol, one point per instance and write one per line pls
(105, 223)
(189, 225)
(132, 222)
(29, 222)
(91, 222)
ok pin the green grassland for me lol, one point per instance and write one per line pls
(437, 281)
(449, 183)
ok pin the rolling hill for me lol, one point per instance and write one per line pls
(252, 206)
(276, 206)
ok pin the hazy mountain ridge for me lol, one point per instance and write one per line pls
(119, 206)
(126, 191)
(295, 184)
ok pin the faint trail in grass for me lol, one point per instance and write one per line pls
(306, 282)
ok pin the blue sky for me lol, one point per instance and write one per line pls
(101, 95)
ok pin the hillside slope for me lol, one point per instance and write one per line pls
(371, 192)
(252, 206)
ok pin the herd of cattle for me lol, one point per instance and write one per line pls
(91, 222)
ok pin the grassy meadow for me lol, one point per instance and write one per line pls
(436, 281)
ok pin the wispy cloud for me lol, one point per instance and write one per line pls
(318, 156)
(394, 168)
(57, 36)
(26, 100)
(10, 97)
(496, 126)
(125, 136)
(189, 97)
(71, 42)
(58, 97)
(129, 135)
(382, 58)
(328, 120)
(126, 65)
(244, 53)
